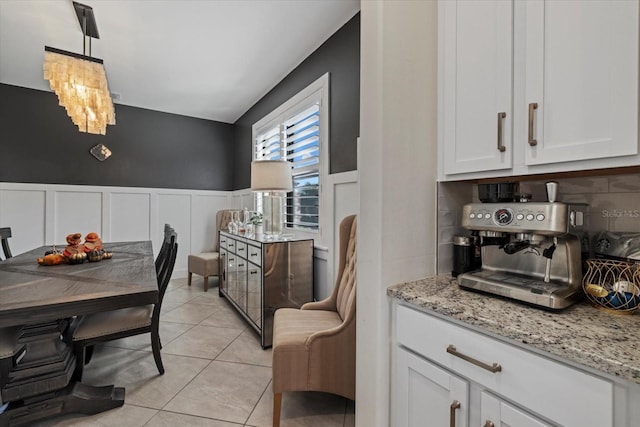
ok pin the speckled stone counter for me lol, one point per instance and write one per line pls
(581, 334)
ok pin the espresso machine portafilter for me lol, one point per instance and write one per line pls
(529, 251)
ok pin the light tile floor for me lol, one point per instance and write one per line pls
(216, 373)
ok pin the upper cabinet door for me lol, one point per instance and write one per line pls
(477, 80)
(581, 65)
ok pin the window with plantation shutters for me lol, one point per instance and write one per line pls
(268, 145)
(302, 149)
(296, 132)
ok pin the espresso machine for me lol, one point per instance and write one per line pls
(528, 250)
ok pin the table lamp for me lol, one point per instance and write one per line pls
(272, 177)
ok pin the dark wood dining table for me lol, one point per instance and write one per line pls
(37, 304)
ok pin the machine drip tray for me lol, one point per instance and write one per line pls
(550, 295)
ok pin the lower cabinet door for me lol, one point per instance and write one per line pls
(231, 275)
(241, 288)
(222, 281)
(495, 412)
(254, 294)
(426, 395)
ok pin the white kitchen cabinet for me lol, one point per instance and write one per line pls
(477, 85)
(565, 73)
(581, 62)
(508, 385)
(424, 394)
(496, 412)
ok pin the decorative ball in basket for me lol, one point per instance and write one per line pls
(612, 284)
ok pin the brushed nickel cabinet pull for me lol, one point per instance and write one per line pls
(491, 368)
(532, 107)
(501, 147)
(452, 413)
(489, 423)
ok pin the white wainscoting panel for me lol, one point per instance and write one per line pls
(24, 212)
(130, 217)
(346, 202)
(175, 209)
(203, 212)
(323, 285)
(44, 214)
(77, 212)
(244, 199)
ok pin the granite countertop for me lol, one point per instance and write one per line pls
(581, 334)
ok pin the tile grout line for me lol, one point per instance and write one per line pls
(257, 402)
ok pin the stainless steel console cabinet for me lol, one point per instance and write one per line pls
(260, 276)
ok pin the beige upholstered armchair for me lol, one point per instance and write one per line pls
(314, 348)
(207, 264)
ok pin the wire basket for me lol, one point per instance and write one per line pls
(613, 285)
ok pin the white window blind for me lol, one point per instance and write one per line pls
(297, 132)
(295, 137)
(268, 145)
(301, 141)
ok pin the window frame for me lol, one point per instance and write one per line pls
(318, 91)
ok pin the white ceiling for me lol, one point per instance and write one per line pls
(211, 59)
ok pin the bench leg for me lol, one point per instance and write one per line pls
(189, 279)
(206, 283)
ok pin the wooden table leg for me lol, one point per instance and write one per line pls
(36, 379)
(75, 398)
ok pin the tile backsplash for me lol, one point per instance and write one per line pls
(614, 205)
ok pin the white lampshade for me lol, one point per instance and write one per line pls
(271, 175)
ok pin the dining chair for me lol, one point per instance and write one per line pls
(207, 263)
(5, 233)
(314, 347)
(164, 248)
(111, 325)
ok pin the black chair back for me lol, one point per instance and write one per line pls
(164, 249)
(5, 233)
(165, 270)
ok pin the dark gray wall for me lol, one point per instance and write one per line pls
(40, 144)
(340, 56)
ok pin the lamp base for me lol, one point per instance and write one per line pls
(273, 205)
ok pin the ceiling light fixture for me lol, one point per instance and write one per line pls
(80, 81)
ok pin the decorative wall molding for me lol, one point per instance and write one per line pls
(43, 214)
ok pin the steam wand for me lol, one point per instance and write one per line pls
(548, 254)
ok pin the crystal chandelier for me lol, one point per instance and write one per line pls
(80, 81)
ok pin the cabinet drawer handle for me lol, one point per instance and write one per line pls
(452, 413)
(489, 423)
(491, 368)
(254, 254)
(501, 147)
(532, 107)
(253, 272)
